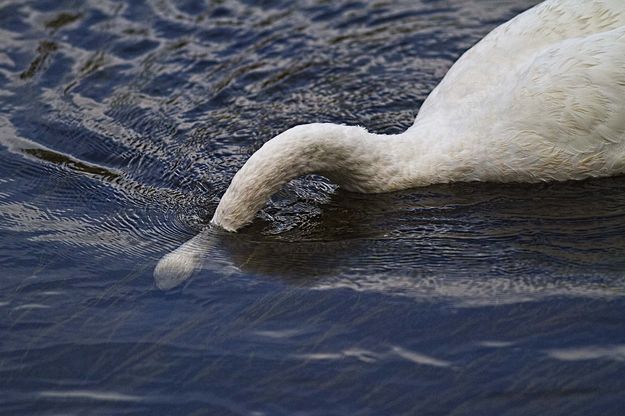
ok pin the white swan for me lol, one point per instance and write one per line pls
(540, 98)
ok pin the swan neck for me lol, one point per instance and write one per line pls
(350, 156)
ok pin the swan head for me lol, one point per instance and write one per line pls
(178, 266)
(175, 268)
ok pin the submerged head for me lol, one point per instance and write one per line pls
(176, 267)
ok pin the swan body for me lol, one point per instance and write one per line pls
(540, 98)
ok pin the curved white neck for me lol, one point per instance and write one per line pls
(350, 156)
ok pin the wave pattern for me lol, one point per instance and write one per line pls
(121, 124)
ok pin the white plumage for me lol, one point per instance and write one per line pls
(540, 98)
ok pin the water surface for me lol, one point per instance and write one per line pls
(121, 124)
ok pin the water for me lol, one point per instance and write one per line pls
(121, 124)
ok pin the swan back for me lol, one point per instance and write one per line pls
(485, 67)
(540, 98)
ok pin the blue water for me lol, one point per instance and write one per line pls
(121, 124)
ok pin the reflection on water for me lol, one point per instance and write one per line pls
(616, 353)
(472, 244)
(121, 124)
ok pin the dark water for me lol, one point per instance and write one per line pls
(121, 124)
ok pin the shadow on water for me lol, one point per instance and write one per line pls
(472, 244)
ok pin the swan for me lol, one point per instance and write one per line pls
(540, 98)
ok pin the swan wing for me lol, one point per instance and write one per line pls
(488, 64)
(564, 110)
